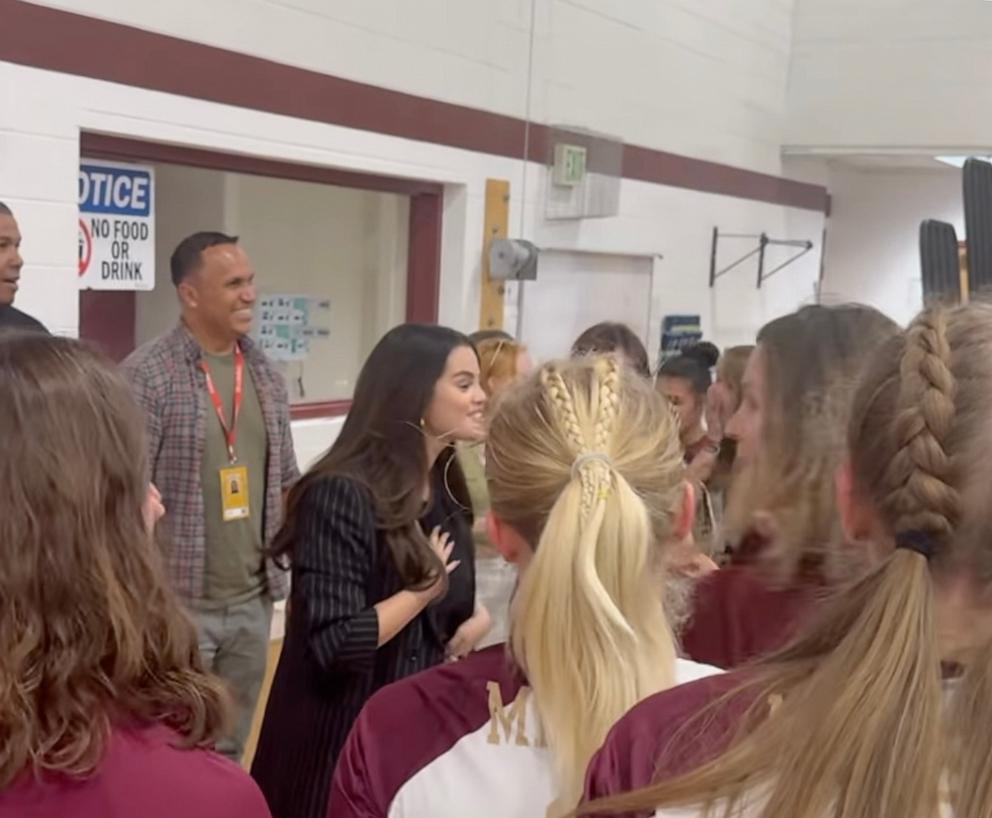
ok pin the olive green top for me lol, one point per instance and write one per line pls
(234, 565)
(470, 458)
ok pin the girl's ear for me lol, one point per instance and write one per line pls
(505, 538)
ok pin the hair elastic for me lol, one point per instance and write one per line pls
(589, 457)
(917, 541)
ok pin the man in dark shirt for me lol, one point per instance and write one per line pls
(10, 273)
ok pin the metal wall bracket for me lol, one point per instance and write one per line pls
(763, 242)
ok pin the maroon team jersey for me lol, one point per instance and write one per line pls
(737, 616)
(459, 741)
(651, 743)
(144, 773)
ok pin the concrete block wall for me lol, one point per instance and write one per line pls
(891, 74)
(704, 79)
(669, 74)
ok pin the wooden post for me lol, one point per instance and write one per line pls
(496, 226)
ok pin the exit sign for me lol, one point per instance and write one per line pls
(570, 165)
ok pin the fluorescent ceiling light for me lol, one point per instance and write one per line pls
(958, 161)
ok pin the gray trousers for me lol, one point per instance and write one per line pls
(234, 645)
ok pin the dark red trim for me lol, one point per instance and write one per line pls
(324, 409)
(75, 44)
(708, 177)
(423, 257)
(101, 146)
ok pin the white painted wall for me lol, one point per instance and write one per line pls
(186, 200)
(872, 251)
(677, 225)
(895, 74)
(705, 79)
(348, 246)
(574, 291)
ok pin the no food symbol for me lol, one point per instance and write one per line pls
(85, 247)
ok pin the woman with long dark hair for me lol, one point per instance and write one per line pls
(588, 496)
(379, 535)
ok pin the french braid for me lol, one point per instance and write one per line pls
(921, 494)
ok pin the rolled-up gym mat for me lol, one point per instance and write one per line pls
(978, 223)
(939, 263)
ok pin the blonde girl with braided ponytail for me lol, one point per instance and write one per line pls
(881, 707)
(588, 491)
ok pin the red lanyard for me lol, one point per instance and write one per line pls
(230, 433)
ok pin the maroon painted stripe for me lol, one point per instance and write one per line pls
(423, 256)
(321, 409)
(101, 146)
(75, 44)
(709, 177)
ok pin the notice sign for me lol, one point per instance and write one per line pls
(116, 226)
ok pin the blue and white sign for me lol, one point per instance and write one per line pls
(677, 333)
(116, 226)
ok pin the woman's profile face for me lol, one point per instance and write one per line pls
(525, 364)
(720, 407)
(748, 421)
(686, 403)
(457, 408)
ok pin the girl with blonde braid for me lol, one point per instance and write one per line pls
(880, 707)
(587, 484)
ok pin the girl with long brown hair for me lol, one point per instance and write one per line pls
(781, 518)
(880, 708)
(104, 706)
(588, 494)
(379, 532)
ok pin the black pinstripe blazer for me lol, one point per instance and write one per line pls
(330, 663)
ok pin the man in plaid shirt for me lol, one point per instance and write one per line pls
(222, 456)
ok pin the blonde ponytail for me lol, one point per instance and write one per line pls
(594, 486)
(859, 728)
(970, 764)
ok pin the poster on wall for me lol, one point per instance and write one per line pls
(286, 325)
(678, 332)
(116, 226)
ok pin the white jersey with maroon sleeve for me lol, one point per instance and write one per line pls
(456, 741)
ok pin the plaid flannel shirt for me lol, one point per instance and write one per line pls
(167, 382)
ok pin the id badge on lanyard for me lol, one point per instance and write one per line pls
(233, 477)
